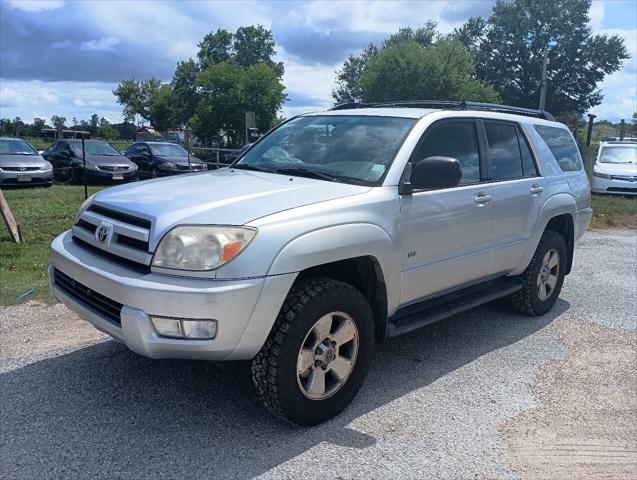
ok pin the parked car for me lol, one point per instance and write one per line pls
(615, 170)
(21, 164)
(158, 159)
(229, 157)
(104, 164)
(334, 231)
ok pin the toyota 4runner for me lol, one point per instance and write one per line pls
(334, 231)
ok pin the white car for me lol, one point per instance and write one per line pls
(615, 171)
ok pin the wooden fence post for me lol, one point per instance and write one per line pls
(9, 220)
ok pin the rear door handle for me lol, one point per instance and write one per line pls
(481, 198)
(535, 189)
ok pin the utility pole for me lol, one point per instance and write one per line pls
(589, 132)
(545, 62)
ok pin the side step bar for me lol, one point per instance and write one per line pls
(423, 313)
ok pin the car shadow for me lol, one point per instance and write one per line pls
(104, 412)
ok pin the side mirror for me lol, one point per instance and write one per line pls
(436, 172)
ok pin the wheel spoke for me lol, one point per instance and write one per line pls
(322, 327)
(552, 281)
(305, 361)
(341, 367)
(316, 383)
(542, 291)
(547, 256)
(553, 260)
(345, 333)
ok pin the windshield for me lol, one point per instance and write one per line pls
(627, 154)
(168, 150)
(94, 148)
(16, 147)
(351, 149)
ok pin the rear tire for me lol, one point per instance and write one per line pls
(543, 278)
(318, 352)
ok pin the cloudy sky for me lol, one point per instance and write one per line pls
(65, 58)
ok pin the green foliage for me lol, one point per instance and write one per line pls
(407, 70)
(57, 121)
(107, 132)
(235, 73)
(509, 46)
(227, 92)
(411, 64)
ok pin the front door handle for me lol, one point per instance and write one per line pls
(481, 199)
(536, 189)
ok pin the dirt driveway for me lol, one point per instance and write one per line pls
(487, 394)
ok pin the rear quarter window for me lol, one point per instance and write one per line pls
(562, 146)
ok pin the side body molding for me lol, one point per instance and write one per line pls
(555, 205)
(341, 242)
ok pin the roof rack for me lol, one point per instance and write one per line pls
(450, 105)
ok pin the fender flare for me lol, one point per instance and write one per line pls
(343, 242)
(559, 204)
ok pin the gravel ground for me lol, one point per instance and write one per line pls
(486, 394)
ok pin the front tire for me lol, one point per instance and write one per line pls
(318, 352)
(543, 278)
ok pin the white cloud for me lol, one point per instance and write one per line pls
(36, 5)
(620, 88)
(104, 44)
(69, 99)
(597, 14)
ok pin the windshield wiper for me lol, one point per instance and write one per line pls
(243, 166)
(306, 172)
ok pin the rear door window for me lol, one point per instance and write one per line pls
(456, 139)
(504, 150)
(562, 147)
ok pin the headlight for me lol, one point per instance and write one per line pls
(132, 167)
(201, 248)
(168, 165)
(47, 166)
(601, 175)
(91, 167)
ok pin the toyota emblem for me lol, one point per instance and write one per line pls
(102, 234)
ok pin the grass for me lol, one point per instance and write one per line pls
(613, 212)
(42, 214)
(45, 213)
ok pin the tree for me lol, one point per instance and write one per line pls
(253, 45)
(107, 132)
(406, 71)
(227, 92)
(348, 79)
(509, 49)
(58, 122)
(18, 126)
(36, 127)
(161, 109)
(215, 48)
(184, 85)
(135, 97)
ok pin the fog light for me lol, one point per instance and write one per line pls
(182, 328)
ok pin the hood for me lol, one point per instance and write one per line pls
(626, 169)
(21, 161)
(110, 160)
(220, 197)
(179, 159)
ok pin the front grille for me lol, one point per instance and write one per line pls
(194, 168)
(124, 238)
(113, 168)
(21, 169)
(626, 178)
(92, 300)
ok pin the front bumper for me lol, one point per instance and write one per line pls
(35, 177)
(108, 177)
(245, 309)
(613, 186)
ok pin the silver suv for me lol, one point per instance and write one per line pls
(334, 231)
